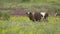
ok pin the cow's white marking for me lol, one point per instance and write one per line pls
(33, 13)
(43, 13)
(28, 12)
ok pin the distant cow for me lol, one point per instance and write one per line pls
(44, 15)
(57, 14)
(34, 16)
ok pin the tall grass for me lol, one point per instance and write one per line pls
(22, 25)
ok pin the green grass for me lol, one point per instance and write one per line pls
(22, 25)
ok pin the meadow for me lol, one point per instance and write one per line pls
(22, 25)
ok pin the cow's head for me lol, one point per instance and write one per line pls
(28, 13)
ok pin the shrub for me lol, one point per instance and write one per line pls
(25, 1)
(4, 15)
(0, 13)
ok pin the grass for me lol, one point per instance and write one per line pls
(22, 25)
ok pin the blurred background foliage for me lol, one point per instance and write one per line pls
(10, 6)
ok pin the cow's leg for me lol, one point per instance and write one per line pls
(46, 19)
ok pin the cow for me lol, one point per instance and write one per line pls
(57, 14)
(34, 16)
(44, 16)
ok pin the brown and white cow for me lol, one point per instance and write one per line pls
(37, 16)
(57, 14)
(34, 16)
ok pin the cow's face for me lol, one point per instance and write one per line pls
(28, 13)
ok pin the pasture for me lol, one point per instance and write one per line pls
(22, 25)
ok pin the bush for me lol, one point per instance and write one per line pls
(0, 13)
(25, 1)
(4, 15)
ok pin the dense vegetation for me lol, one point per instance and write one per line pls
(22, 25)
(34, 5)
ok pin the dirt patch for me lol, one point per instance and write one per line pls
(20, 12)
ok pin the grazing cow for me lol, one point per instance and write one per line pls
(44, 15)
(34, 16)
(57, 14)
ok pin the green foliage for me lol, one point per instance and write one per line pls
(0, 13)
(4, 16)
(22, 25)
(57, 9)
(25, 1)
